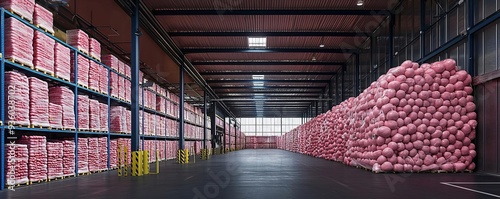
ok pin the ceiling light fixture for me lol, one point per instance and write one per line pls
(258, 84)
(314, 58)
(257, 42)
(321, 46)
(259, 77)
(360, 3)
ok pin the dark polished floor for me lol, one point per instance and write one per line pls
(262, 174)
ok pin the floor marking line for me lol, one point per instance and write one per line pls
(464, 188)
(473, 183)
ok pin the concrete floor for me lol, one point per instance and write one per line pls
(262, 174)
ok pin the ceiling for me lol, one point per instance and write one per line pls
(307, 42)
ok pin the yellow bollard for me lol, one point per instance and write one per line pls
(137, 162)
(125, 159)
(120, 162)
(157, 162)
(145, 162)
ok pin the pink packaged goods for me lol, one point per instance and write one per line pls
(17, 98)
(94, 115)
(43, 52)
(95, 48)
(39, 102)
(111, 61)
(25, 8)
(118, 121)
(113, 153)
(103, 117)
(412, 119)
(103, 79)
(83, 155)
(94, 76)
(18, 42)
(55, 160)
(64, 97)
(93, 154)
(55, 115)
(37, 160)
(127, 70)
(114, 85)
(121, 67)
(121, 87)
(16, 168)
(83, 112)
(103, 153)
(62, 59)
(68, 157)
(83, 70)
(43, 18)
(128, 90)
(78, 39)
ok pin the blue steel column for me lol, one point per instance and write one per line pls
(75, 63)
(330, 94)
(342, 89)
(181, 107)
(470, 38)
(229, 136)
(2, 103)
(205, 131)
(135, 77)
(370, 76)
(143, 113)
(337, 94)
(356, 75)
(213, 120)
(109, 118)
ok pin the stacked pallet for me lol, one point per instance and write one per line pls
(83, 155)
(94, 115)
(78, 39)
(55, 115)
(103, 153)
(103, 79)
(83, 70)
(113, 153)
(18, 42)
(160, 105)
(117, 121)
(55, 160)
(43, 57)
(68, 157)
(37, 161)
(64, 97)
(94, 76)
(114, 88)
(83, 112)
(103, 123)
(127, 118)
(128, 90)
(121, 87)
(17, 98)
(43, 18)
(39, 102)
(93, 154)
(95, 48)
(110, 61)
(25, 8)
(62, 61)
(16, 168)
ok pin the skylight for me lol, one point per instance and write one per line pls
(258, 84)
(257, 42)
(259, 77)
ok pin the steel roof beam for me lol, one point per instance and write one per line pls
(275, 63)
(270, 12)
(270, 81)
(268, 87)
(269, 50)
(269, 34)
(329, 73)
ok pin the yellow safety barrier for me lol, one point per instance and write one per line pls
(183, 156)
(122, 160)
(145, 163)
(157, 162)
(137, 162)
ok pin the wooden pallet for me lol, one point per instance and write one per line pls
(40, 127)
(44, 71)
(83, 51)
(81, 85)
(17, 61)
(80, 129)
(18, 184)
(94, 89)
(45, 29)
(18, 125)
(68, 176)
(59, 77)
(56, 178)
(38, 181)
(84, 174)
(68, 129)
(96, 58)
(21, 16)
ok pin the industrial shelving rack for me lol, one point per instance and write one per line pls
(76, 88)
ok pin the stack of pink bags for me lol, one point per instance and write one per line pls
(83, 112)
(54, 160)
(62, 59)
(83, 70)
(17, 98)
(94, 76)
(55, 115)
(95, 48)
(37, 161)
(94, 115)
(18, 41)
(83, 155)
(64, 97)
(103, 108)
(103, 79)
(93, 154)
(43, 57)
(103, 153)
(111, 61)
(118, 122)
(113, 153)
(114, 85)
(78, 39)
(68, 157)
(39, 102)
(25, 8)
(16, 168)
(43, 18)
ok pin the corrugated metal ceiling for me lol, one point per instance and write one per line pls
(266, 56)
(272, 42)
(284, 68)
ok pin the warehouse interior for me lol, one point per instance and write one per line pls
(276, 98)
